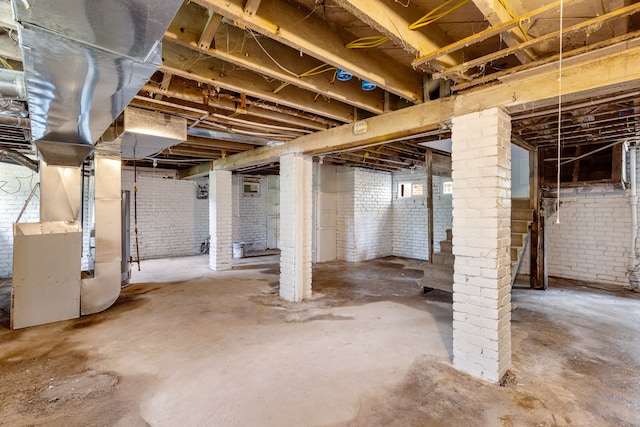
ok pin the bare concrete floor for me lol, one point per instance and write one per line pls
(186, 346)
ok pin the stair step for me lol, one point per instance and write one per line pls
(446, 246)
(441, 285)
(519, 226)
(517, 239)
(520, 204)
(515, 252)
(449, 234)
(521, 214)
(437, 272)
(443, 258)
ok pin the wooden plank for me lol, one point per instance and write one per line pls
(393, 22)
(251, 7)
(585, 77)
(488, 33)
(184, 62)
(429, 166)
(209, 31)
(616, 163)
(625, 11)
(306, 32)
(196, 171)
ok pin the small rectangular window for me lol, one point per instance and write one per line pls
(251, 187)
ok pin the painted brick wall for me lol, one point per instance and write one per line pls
(171, 221)
(373, 214)
(593, 238)
(16, 183)
(410, 222)
(345, 234)
(410, 218)
(442, 212)
(250, 214)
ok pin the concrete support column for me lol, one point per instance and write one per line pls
(220, 225)
(481, 165)
(295, 227)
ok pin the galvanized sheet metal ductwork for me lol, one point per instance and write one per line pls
(84, 61)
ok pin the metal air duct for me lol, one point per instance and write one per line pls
(84, 61)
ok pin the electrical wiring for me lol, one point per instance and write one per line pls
(6, 64)
(367, 42)
(286, 70)
(433, 16)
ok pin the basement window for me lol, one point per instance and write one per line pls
(410, 189)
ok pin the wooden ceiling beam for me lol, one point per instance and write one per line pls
(393, 20)
(233, 47)
(209, 30)
(307, 33)
(582, 26)
(193, 99)
(186, 63)
(496, 13)
(621, 68)
(488, 33)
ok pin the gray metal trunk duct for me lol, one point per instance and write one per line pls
(84, 61)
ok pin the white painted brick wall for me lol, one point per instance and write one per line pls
(442, 211)
(250, 214)
(296, 232)
(171, 221)
(16, 183)
(410, 218)
(593, 238)
(345, 228)
(481, 238)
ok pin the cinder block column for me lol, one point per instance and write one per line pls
(220, 201)
(481, 164)
(295, 227)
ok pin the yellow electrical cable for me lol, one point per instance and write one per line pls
(432, 16)
(367, 42)
(6, 64)
(318, 70)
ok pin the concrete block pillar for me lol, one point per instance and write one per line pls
(220, 220)
(481, 165)
(295, 227)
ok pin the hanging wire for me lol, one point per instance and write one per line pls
(433, 16)
(559, 113)
(367, 42)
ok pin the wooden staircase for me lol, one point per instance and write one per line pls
(521, 219)
(439, 274)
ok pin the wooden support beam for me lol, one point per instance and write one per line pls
(488, 33)
(537, 266)
(393, 22)
(193, 101)
(307, 33)
(251, 7)
(209, 31)
(430, 221)
(496, 14)
(582, 26)
(196, 171)
(234, 47)
(189, 64)
(585, 77)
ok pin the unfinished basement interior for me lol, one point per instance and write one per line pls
(319, 213)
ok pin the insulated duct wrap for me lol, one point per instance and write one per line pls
(84, 61)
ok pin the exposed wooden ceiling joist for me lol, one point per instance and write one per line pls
(307, 33)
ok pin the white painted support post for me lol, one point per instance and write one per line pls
(220, 225)
(295, 227)
(481, 165)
